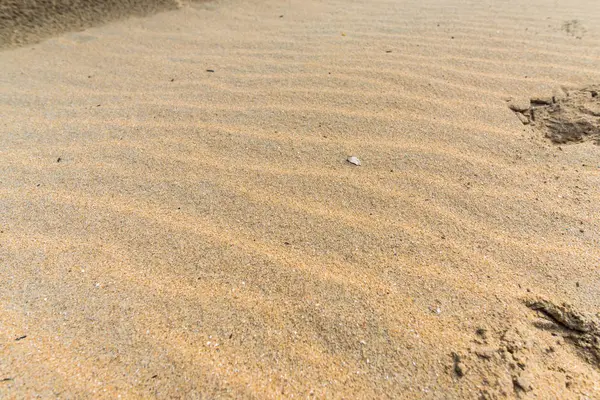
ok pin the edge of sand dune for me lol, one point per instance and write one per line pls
(25, 22)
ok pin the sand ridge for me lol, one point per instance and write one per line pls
(167, 231)
(25, 22)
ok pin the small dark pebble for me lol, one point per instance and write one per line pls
(98, 105)
(287, 243)
(577, 284)
(230, 335)
(541, 101)
(172, 79)
(594, 94)
(452, 37)
(459, 367)
(388, 51)
(281, 16)
(6, 379)
(523, 383)
(482, 332)
(21, 338)
(59, 159)
(154, 376)
(210, 70)
(89, 76)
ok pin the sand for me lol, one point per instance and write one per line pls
(170, 232)
(30, 21)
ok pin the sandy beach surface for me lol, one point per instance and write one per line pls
(178, 218)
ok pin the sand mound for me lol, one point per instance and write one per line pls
(506, 361)
(572, 116)
(29, 21)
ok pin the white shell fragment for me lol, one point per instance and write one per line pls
(353, 160)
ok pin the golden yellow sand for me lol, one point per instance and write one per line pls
(170, 232)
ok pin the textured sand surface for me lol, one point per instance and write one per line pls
(171, 232)
(30, 21)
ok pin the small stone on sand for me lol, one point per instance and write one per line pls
(524, 382)
(543, 100)
(523, 118)
(519, 104)
(353, 160)
(460, 369)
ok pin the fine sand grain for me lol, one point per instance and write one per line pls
(178, 218)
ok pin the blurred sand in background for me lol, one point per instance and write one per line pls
(29, 21)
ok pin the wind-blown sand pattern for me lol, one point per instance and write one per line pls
(29, 21)
(171, 232)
